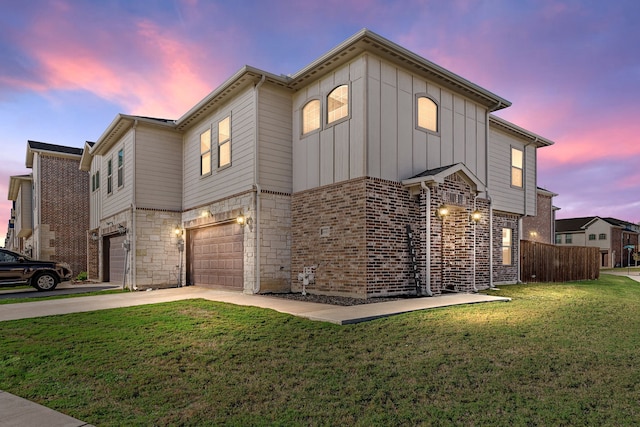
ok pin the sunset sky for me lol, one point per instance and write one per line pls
(571, 69)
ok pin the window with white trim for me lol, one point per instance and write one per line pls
(602, 236)
(338, 104)
(592, 237)
(120, 168)
(427, 114)
(224, 142)
(311, 116)
(506, 246)
(517, 166)
(109, 176)
(205, 152)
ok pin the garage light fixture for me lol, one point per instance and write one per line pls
(177, 231)
(476, 216)
(243, 220)
(443, 211)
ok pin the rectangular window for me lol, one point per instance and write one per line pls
(97, 180)
(109, 177)
(205, 152)
(506, 246)
(558, 239)
(224, 142)
(120, 168)
(602, 236)
(516, 167)
(568, 238)
(93, 182)
(592, 237)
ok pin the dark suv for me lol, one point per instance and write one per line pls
(18, 269)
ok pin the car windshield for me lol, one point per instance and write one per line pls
(7, 256)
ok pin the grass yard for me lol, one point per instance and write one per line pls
(558, 354)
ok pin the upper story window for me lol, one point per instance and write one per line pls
(506, 246)
(120, 168)
(95, 181)
(205, 152)
(427, 114)
(602, 236)
(592, 237)
(517, 165)
(311, 116)
(224, 142)
(568, 238)
(558, 239)
(109, 176)
(338, 104)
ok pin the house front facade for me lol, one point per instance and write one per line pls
(616, 239)
(370, 172)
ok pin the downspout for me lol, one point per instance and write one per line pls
(256, 184)
(524, 187)
(475, 228)
(133, 212)
(427, 238)
(486, 183)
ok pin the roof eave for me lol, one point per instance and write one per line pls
(517, 130)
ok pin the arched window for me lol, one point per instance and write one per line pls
(311, 116)
(338, 104)
(427, 114)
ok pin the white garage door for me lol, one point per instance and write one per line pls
(215, 257)
(116, 259)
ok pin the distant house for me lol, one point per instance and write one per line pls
(51, 205)
(611, 235)
(370, 172)
(541, 227)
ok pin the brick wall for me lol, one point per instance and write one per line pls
(505, 273)
(539, 228)
(64, 209)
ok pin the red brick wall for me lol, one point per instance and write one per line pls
(539, 228)
(505, 273)
(64, 207)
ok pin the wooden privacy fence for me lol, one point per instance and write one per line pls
(541, 262)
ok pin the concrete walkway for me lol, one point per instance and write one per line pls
(16, 411)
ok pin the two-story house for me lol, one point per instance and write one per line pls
(51, 205)
(334, 168)
(611, 235)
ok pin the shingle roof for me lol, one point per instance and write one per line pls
(43, 146)
(431, 172)
(572, 224)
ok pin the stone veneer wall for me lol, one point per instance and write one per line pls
(275, 242)
(328, 229)
(157, 258)
(505, 273)
(93, 252)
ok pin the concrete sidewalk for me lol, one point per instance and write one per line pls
(16, 411)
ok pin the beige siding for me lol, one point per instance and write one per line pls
(95, 198)
(275, 149)
(227, 181)
(337, 151)
(505, 197)
(158, 168)
(121, 197)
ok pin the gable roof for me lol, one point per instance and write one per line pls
(51, 149)
(580, 224)
(438, 175)
(518, 131)
(14, 185)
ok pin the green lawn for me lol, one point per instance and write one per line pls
(558, 354)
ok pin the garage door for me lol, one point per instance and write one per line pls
(215, 257)
(116, 259)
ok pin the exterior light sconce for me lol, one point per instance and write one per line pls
(177, 231)
(243, 220)
(476, 216)
(95, 236)
(443, 211)
(121, 229)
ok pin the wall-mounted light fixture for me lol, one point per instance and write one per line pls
(243, 220)
(475, 216)
(443, 211)
(95, 236)
(177, 231)
(122, 229)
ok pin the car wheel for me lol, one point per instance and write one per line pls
(45, 282)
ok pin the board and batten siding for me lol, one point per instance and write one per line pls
(95, 198)
(158, 168)
(505, 197)
(275, 151)
(336, 152)
(224, 182)
(397, 149)
(121, 197)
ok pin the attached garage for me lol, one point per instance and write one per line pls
(114, 257)
(215, 257)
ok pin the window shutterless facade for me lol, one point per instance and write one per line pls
(506, 246)
(592, 237)
(558, 239)
(205, 152)
(427, 114)
(120, 168)
(568, 238)
(517, 166)
(338, 104)
(224, 142)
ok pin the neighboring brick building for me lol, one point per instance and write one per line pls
(60, 204)
(541, 227)
(611, 235)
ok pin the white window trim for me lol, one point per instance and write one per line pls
(209, 129)
(511, 167)
(325, 108)
(227, 141)
(321, 115)
(438, 113)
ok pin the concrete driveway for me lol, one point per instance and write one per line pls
(64, 288)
